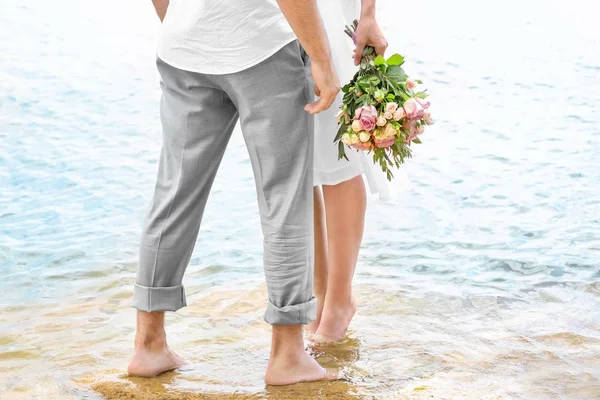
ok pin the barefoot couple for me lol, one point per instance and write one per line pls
(229, 59)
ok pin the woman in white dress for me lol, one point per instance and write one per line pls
(340, 193)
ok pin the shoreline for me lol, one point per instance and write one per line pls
(405, 342)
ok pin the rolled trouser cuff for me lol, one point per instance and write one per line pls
(158, 298)
(298, 314)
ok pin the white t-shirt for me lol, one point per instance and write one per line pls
(222, 36)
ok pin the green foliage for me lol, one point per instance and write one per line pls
(396, 73)
(342, 151)
(395, 59)
(379, 60)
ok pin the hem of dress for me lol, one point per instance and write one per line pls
(337, 181)
(220, 72)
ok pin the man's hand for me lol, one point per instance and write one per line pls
(368, 33)
(304, 18)
(327, 86)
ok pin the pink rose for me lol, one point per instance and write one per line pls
(411, 128)
(412, 137)
(388, 115)
(427, 117)
(385, 143)
(410, 84)
(362, 146)
(423, 102)
(413, 109)
(391, 107)
(381, 121)
(399, 114)
(367, 117)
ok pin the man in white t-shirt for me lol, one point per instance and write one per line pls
(220, 61)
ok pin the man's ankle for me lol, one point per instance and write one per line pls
(150, 342)
(288, 341)
(150, 332)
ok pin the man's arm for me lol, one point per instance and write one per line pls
(368, 32)
(161, 8)
(304, 18)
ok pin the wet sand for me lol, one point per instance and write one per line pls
(402, 345)
(145, 391)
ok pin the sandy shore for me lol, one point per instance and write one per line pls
(127, 391)
(402, 345)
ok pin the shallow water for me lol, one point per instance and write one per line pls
(480, 281)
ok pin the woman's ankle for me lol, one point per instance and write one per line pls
(344, 299)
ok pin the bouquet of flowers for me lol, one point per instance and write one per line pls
(383, 111)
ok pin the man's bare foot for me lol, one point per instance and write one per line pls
(289, 362)
(152, 356)
(150, 361)
(334, 322)
(300, 368)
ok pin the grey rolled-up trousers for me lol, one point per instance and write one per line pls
(198, 114)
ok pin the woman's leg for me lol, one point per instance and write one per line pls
(345, 207)
(320, 288)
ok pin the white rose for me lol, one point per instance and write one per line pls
(346, 138)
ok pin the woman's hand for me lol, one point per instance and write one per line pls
(368, 33)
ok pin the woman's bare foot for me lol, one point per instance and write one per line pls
(335, 322)
(312, 328)
(150, 361)
(300, 368)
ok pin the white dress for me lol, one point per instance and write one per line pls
(328, 170)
